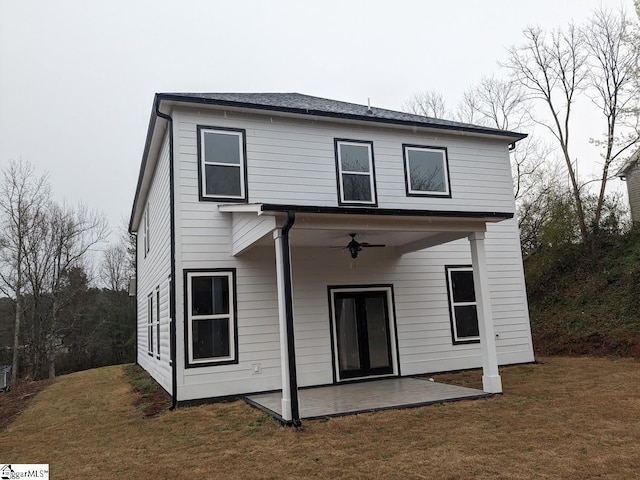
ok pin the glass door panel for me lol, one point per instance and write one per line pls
(349, 350)
(362, 332)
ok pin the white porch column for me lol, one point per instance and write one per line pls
(491, 381)
(284, 350)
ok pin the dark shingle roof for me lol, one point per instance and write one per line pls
(308, 105)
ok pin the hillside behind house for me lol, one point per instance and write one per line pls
(586, 303)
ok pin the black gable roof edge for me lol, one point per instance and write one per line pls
(451, 126)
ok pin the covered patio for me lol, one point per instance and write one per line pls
(352, 398)
(400, 232)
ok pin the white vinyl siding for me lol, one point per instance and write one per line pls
(293, 162)
(153, 270)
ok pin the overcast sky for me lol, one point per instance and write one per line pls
(77, 78)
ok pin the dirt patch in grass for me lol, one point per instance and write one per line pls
(13, 402)
(563, 418)
(149, 396)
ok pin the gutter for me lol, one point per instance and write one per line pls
(288, 300)
(172, 292)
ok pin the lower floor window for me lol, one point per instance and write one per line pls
(462, 304)
(150, 324)
(211, 317)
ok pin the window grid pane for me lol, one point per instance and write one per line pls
(224, 181)
(426, 171)
(355, 158)
(222, 148)
(356, 187)
(210, 338)
(210, 295)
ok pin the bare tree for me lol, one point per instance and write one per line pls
(495, 103)
(615, 89)
(599, 60)
(552, 70)
(429, 104)
(114, 272)
(503, 104)
(73, 232)
(23, 199)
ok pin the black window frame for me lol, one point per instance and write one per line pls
(150, 326)
(233, 318)
(372, 174)
(244, 185)
(450, 301)
(407, 175)
(157, 321)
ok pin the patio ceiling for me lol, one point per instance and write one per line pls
(252, 226)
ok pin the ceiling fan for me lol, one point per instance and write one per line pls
(355, 247)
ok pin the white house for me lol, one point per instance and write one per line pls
(288, 241)
(630, 173)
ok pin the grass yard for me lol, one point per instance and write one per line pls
(573, 418)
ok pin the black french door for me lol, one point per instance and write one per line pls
(363, 337)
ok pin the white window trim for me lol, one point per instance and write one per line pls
(150, 315)
(392, 328)
(231, 316)
(445, 170)
(204, 162)
(370, 173)
(453, 304)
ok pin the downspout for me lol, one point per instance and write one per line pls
(288, 300)
(172, 292)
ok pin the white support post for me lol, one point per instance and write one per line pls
(284, 352)
(491, 381)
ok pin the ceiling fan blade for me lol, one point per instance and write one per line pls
(368, 245)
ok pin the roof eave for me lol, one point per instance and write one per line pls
(152, 129)
(479, 131)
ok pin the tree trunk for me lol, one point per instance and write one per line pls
(16, 340)
(52, 363)
(51, 340)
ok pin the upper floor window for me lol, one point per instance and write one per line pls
(222, 164)
(462, 304)
(426, 171)
(356, 176)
